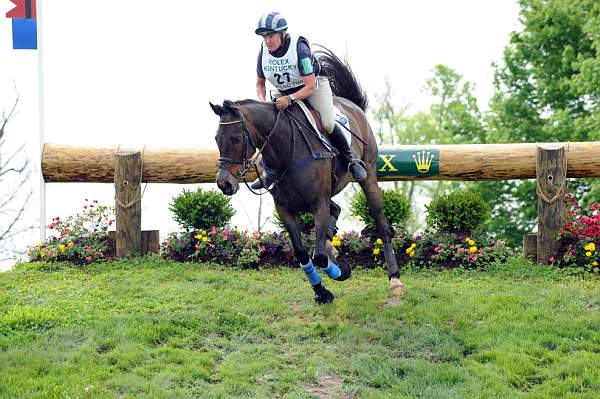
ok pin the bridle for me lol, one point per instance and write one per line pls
(247, 162)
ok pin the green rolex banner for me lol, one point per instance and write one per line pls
(408, 162)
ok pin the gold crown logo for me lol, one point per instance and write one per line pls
(423, 160)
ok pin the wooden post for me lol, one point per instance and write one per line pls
(551, 184)
(128, 204)
(150, 241)
(530, 246)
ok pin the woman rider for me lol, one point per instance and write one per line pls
(288, 63)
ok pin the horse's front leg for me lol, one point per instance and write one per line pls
(375, 203)
(322, 295)
(322, 232)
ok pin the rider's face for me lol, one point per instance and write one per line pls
(272, 41)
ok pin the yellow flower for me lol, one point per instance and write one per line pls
(413, 245)
(70, 245)
(336, 241)
(412, 253)
(592, 246)
(204, 239)
(42, 253)
(62, 247)
(198, 236)
(594, 263)
(473, 250)
(471, 242)
(468, 239)
(588, 253)
(39, 244)
(203, 232)
(409, 250)
(379, 241)
(376, 251)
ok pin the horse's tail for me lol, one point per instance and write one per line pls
(342, 80)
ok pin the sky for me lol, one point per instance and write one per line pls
(141, 72)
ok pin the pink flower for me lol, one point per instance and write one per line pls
(88, 258)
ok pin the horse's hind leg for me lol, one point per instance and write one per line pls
(375, 203)
(322, 295)
(334, 213)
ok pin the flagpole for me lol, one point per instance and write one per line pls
(41, 117)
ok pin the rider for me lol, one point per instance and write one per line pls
(289, 64)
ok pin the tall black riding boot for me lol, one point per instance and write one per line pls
(269, 177)
(355, 165)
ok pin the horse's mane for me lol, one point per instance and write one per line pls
(248, 101)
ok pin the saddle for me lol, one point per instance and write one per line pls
(314, 119)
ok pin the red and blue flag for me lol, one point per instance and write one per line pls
(24, 24)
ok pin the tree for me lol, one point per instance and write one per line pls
(546, 89)
(14, 174)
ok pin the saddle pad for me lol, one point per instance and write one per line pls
(340, 119)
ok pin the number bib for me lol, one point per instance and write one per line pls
(282, 72)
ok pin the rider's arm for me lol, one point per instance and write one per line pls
(261, 89)
(310, 84)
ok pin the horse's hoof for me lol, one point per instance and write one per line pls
(396, 287)
(323, 295)
(345, 269)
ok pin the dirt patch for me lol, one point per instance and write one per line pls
(393, 301)
(326, 386)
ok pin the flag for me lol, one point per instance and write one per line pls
(24, 24)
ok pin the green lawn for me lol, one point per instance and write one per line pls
(156, 329)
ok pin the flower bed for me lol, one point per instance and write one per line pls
(241, 248)
(580, 238)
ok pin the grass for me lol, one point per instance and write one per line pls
(150, 328)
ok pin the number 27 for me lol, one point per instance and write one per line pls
(279, 80)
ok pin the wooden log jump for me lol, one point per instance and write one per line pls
(62, 163)
(550, 163)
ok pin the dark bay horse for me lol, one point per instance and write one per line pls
(308, 179)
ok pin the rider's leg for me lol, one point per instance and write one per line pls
(268, 178)
(322, 101)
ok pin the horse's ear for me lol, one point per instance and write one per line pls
(229, 105)
(217, 109)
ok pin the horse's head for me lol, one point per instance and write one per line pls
(235, 147)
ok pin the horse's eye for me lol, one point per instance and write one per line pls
(235, 140)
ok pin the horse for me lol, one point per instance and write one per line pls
(308, 179)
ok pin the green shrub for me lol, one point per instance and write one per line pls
(459, 211)
(195, 210)
(306, 221)
(395, 207)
